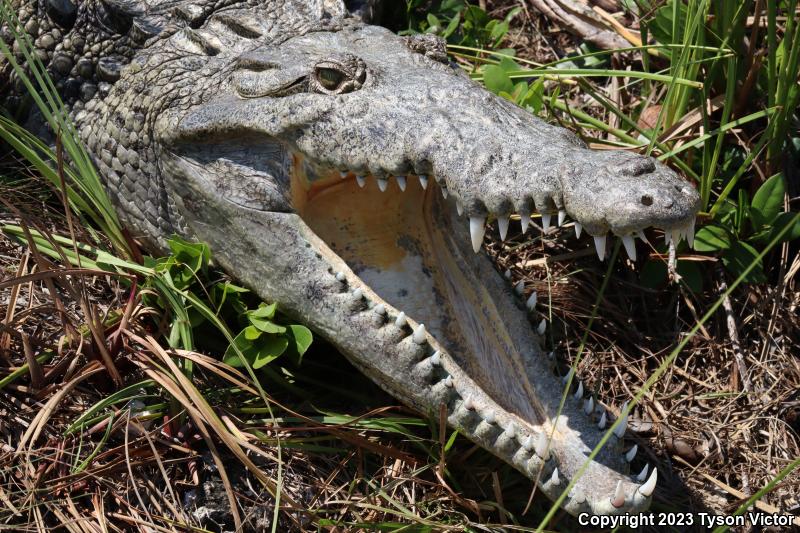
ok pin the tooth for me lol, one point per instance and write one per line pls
(690, 233)
(382, 184)
(554, 477)
(419, 334)
(648, 488)
(469, 405)
(579, 496)
(361, 180)
(524, 219)
(531, 303)
(588, 405)
(579, 391)
(569, 375)
(620, 430)
(528, 443)
(519, 288)
(642, 236)
(603, 419)
(340, 276)
(562, 216)
(507, 273)
(619, 495)
(600, 246)
(511, 430)
(502, 225)
(677, 235)
(444, 191)
(578, 230)
(489, 417)
(542, 327)
(643, 474)
(459, 208)
(401, 182)
(380, 309)
(358, 294)
(477, 227)
(400, 321)
(632, 453)
(448, 382)
(667, 236)
(436, 358)
(423, 180)
(343, 174)
(550, 355)
(542, 450)
(630, 246)
(545, 222)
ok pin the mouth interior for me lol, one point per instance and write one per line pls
(405, 245)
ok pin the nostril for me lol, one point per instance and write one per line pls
(647, 200)
(678, 188)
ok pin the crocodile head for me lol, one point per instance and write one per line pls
(348, 173)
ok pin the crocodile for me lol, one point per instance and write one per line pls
(349, 174)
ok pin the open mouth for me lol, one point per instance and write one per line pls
(404, 240)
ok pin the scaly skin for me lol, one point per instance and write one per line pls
(234, 130)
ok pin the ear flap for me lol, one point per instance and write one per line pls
(431, 46)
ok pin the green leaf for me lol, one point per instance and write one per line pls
(251, 333)
(739, 257)
(301, 338)
(452, 26)
(264, 311)
(780, 222)
(269, 348)
(712, 238)
(768, 201)
(496, 80)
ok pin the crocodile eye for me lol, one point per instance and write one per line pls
(339, 75)
(329, 78)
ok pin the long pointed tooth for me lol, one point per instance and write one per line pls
(623, 425)
(423, 180)
(578, 230)
(361, 180)
(528, 443)
(667, 236)
(444, 191)
(531, 303)
(469, 405)
(648, 488)
(641, 476)
(579, 391)
(562, 216)
(542, 327)
(677, 235)
(588, 405)
(382, 184)
(569, 376)
(502, 225)
(542, 448)
(380, 309)
(631, 454)
(642, 236)
(436, 358)
(401, 182)
(630, 246)
(619, 495)
(690, 233)
(524, 219)
(419, 334)
(519, 288)
(554, 477)
(459, 208)
(600, 246)
(400, 321)
(603, 421)
(477, 227)
(511, 430)
(448, 382)
(545, 222)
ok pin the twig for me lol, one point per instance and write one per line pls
(733, 333)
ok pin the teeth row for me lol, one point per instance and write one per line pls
(537, 442)
(383, 183)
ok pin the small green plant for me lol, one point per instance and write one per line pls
(458, 21)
